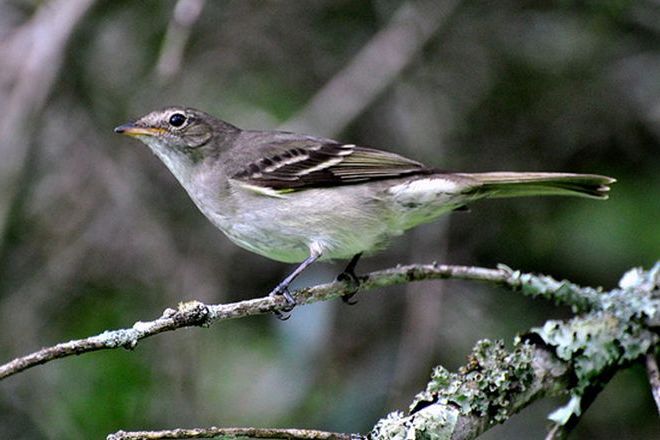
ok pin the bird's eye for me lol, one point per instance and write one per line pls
(177, 120)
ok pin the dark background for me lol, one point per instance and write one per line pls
(95, 233)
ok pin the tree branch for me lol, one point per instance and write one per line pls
(491, 387)
(194, 313)
(213, 432)
(578, 355)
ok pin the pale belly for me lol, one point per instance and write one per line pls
(338, 224)
(290, 238)
(287, 229)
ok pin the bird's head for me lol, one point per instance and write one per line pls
(181, 136)
(176, 128)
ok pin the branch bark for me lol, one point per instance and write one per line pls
(578, 356)
(574, 355)
(213, 432)
(195, 313)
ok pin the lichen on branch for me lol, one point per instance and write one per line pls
(577, 356)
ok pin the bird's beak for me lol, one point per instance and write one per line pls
(131, 129)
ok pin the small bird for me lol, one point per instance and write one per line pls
(298, 199)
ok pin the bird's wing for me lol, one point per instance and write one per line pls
(304, 163)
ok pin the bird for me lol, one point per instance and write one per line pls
(298, 198)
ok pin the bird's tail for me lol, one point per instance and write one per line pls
(519, 184)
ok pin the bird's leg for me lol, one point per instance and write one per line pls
(349, 275)
(283, 287)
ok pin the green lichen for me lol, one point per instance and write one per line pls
(638, 296)
(612, 331)
(612, 335)
(392, 427)
(431, 423)
(485, 385)
(580, 299)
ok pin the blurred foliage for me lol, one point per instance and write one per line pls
(100, 235)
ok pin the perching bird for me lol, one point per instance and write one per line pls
(298, 199)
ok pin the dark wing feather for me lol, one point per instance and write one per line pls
(299, 165)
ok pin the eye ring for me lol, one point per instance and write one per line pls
(177, 120)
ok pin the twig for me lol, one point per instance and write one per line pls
(213, 432)
(561, 431)
(373, 68)
(555, 433)
(654, 377)
(195, 313)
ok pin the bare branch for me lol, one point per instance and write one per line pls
(213, 432)
(195, 313)
(654, 378)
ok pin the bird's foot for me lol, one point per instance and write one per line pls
(284, 313)
(348, 276)
(354, 281)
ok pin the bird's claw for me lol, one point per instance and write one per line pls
(348, 298)
(284, 312)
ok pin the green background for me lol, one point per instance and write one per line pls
(100, 235)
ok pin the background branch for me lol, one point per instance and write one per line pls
(30, 67)
(373, 68)
(186, 13)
